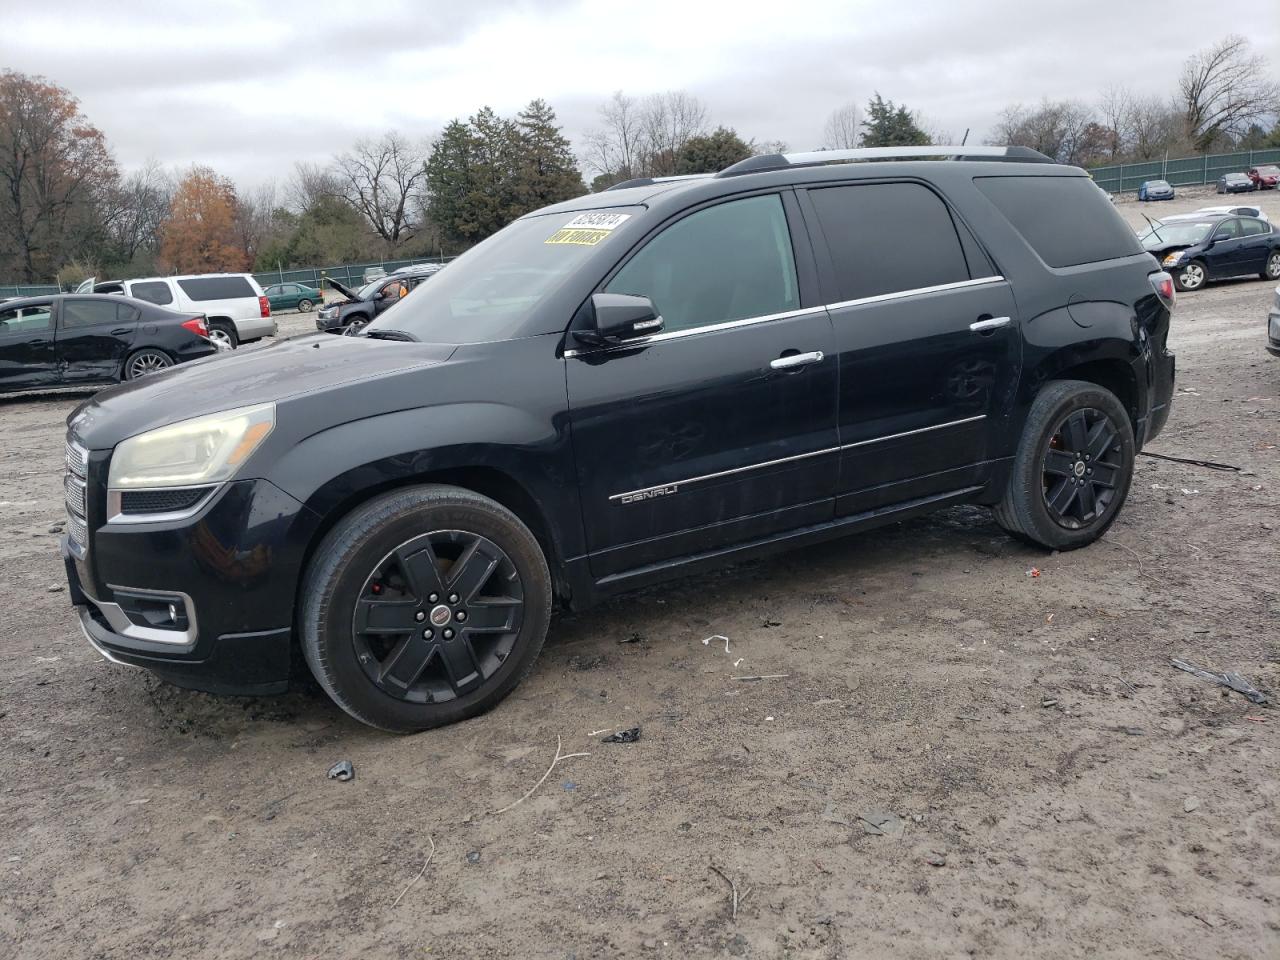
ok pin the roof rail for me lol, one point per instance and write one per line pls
(814, 158)
(649, 181)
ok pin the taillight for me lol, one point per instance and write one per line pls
(197, 326)
(265, 306)
(1162, 283)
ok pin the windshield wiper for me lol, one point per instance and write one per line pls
(380, 334)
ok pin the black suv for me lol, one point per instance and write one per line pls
(622, 388)
(360, 307)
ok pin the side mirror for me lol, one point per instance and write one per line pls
(619, 317)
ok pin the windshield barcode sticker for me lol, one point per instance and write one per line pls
(588, 229)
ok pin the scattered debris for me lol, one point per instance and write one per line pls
(738, 662)
(342, 770)
(473, 856)
(764, 676)
(632, 638)
(771, 623)
(1033, 572)
(1232, 680)
(1210, 464)
(1048, 703)
(707, 641)
(1256, 719)
(1191, 804)
(1130, 731)
(596, 733)
(935, 859)
(623, 736)
(733, 891)
(420, 873)
(55, 588)
(569, 786)
(559, 757)
(879, 823)
(831, 815)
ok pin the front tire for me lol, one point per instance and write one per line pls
(423, 607)
(1190, 276)
(1073, 467)
(1272, 270)
(353, 328)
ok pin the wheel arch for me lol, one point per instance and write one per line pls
(1112, 373)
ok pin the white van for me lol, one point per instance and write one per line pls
(234, 306)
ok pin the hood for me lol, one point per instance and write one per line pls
(343, 289)
(277, 372)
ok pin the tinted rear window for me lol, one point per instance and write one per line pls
(888, 238)
(217, 288)
(1067, 220)
(153, 291)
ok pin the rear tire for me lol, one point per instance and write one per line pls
(304, 306)
(1073, 468)
(145, 361)
(220, 331)
(1272, 269)
(423, 607)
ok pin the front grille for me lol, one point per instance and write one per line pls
(74, 488)
(75, 494)
(161, 501)
(78, 530)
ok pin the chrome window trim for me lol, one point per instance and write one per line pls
(675, 485)
(730, 324)
(117, 516)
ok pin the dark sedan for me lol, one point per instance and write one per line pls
(1236, 183)
(1196, 250)
(69, 340)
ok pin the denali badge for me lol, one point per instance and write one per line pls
(650, 494)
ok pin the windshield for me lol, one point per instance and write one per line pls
(1159, 184)
(369, 289)
(1188, 232)
(487, 293)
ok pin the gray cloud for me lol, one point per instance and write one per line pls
(250, 90)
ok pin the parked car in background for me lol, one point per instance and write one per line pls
(1196, 250)
(234, 305)
(1273, 325)
(374, 273)
(1246, 211)
(1155, 190)
(627, 387)
(73, 339)
(360, 307)
(1265, 177)
(293, 296)
(1236, 183)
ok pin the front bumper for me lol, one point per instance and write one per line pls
(232, 568)
(328, 324)
(1273, 331)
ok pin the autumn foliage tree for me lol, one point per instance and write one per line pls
(200, 235)
(55, 169)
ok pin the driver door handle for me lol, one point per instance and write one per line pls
(990, 323)
(792, 361)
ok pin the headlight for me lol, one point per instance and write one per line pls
(1172, 258)
(203, 450)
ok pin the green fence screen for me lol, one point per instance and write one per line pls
(1182, 171)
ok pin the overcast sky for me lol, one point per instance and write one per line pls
(249, 88)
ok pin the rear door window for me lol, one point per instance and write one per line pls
(889, 238)
(1228, 230)
(217, 288)
(732, 261)
(1066, 220)
(152, 291)
(87, 313)
(1253, 228)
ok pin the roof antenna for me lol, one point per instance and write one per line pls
(965, 138)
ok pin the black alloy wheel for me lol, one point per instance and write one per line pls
(438, 616)
(1082, 468)
(353, 328)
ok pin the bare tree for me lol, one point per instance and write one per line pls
(1154, 128)
(1064, 130)
(1225, 88)
(614, 148)
(383, 180)
(768, 147)
(134, 210)
(842, 129)
(309, 185)
(255, 218)
(670, 121)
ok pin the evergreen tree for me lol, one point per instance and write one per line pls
(450, 183)
(548, 172)
(891, 125)
(712, 152)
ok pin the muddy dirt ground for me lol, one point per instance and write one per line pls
(1046, 784)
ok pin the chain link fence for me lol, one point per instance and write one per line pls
(1180, 171)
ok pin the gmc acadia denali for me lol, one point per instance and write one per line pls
(615, 390)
